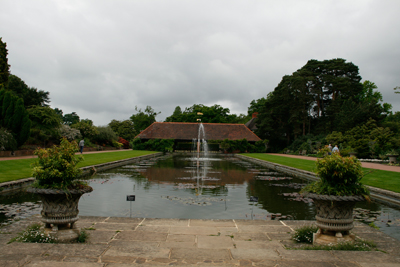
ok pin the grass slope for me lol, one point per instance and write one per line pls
(11, 170)
(377, 178)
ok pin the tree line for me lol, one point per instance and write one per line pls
(322, 102)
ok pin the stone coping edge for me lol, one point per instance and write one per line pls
(10, 186)
(389, 197)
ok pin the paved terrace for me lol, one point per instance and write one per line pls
(182, 242)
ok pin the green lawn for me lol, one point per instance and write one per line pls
(377, 178)
(21, 168)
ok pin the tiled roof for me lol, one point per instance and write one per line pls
(188, 131)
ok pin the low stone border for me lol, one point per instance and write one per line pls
(7, 187)
(388, 197)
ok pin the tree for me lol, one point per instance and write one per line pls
(124, 129)
(4, 67)
(45, 122)
(105, 135)
(14, 117)
(143, 119)
(69, 133)
(213, 114)
(70, 118)
(31, 96)
(86, 128)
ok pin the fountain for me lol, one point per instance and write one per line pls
(201, 150)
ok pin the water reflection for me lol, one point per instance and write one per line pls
(171, 187)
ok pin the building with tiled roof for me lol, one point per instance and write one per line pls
(186, 131)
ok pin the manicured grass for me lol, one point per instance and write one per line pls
(11, 170)
(302, 164)
(377, 178)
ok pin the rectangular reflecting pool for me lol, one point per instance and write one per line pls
(218, 187)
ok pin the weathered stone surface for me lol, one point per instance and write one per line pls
(165, 222)
(64, 264)
(141, 236)
(257, 244)
(200, 254)
(255, 254)
(124, 220)
(83, 250)
(114, 226)
(155, 229)
(99, 236)
(217, 242)
(195, 230)
(367, 256)
(251, 237)
(136, 249)
(257, 222)
(263, 229)
(212, 223)
(307, 255)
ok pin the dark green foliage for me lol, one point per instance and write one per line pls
(242, 146)
(14, 117)
(56, 166)
(339, 176)
(124, 129)
(70, 118)
(213, 114)
(31, 96)
(83, 236)
(304, 234)
(321, 97)
(162, 145)
(86, 128)
(4, 67)
(143, 119)
(105, 135)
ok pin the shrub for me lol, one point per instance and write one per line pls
(105, 135)
(56, 166)
(123, 142)
(340, 176)
(304, 234)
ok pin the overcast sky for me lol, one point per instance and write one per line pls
(100, 59)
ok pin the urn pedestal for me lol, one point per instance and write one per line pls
(60, 211)
(334, 218)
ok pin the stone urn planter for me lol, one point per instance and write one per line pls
(334, 196)
(334, 217)
(58, 186)
(60, 211)
(353, 154)
(392, 158)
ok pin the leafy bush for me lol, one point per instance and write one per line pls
(162, 145)
(7, 140)
(123, 142)
(105, 135)
(56, 166)
(304, 234)
(69, 133)
(340, 176)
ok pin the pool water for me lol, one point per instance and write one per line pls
(221, 187)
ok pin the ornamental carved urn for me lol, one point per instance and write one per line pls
(334, 217)
(60, 211)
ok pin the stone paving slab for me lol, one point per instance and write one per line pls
(160, 242)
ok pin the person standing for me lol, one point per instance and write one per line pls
(81, 145)
(330, 149)
(335, 149)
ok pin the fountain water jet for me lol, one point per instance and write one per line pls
(201, 149)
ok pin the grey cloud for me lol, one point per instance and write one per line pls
(102, 58)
